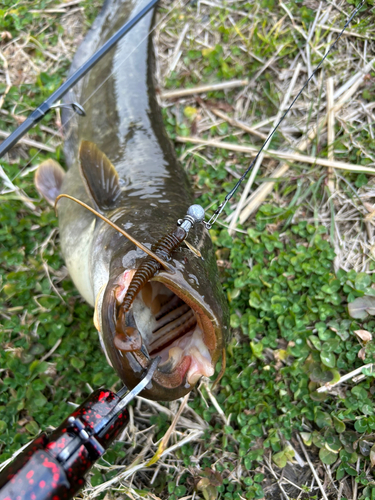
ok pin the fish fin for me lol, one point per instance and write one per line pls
(48, 180)
(100, 176)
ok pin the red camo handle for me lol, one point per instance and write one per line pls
(53, 467)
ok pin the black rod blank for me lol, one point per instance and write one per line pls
(43, 109)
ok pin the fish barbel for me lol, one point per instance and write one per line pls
(122, 163)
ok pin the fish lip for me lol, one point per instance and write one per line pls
(131, 365)
(176, 282)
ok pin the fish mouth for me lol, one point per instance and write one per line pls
(175, 325)
(171, 327)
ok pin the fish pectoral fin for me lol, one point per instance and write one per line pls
(48, 180)
(100, 176)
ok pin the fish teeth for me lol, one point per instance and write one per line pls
(174, 356)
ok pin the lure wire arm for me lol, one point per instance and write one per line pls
(124, 233)
(220, 208)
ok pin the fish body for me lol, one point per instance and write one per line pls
(122, 164)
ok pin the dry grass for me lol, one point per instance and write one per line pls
(344, 210)
(23, 66)
(353, 237)
(340, 205)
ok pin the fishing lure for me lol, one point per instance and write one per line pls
(128, 339)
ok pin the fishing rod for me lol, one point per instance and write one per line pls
(49, 103)
(41, 472)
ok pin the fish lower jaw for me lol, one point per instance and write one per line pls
(172, 329)
(163, 320)
(189, 356)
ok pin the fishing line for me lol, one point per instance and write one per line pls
(220, 208)
(60, 129)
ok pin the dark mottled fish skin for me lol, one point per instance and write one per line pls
(124, 121)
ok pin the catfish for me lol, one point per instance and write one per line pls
(122, 164)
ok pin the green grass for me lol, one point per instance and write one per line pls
(34, 394)
(291, 329)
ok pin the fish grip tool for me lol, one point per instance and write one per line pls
(53, 467)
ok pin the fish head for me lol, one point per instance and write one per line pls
(181, 314)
